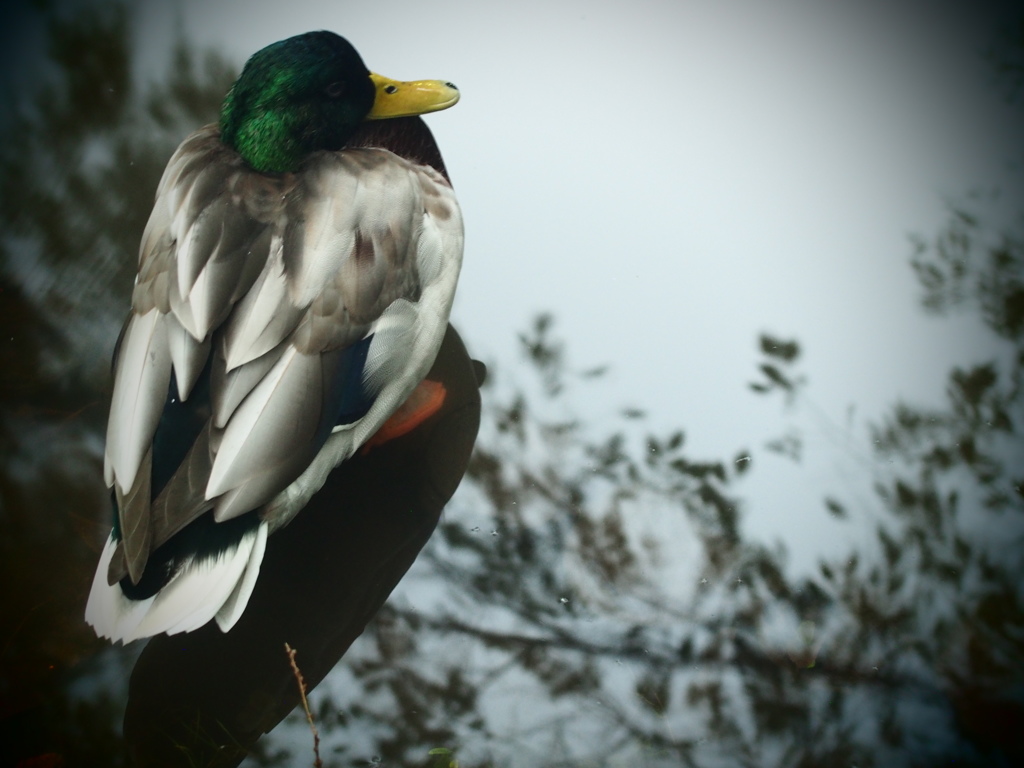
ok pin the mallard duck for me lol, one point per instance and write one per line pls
(292, 293)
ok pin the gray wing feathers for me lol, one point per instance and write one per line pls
(274, 277)
(271, 434)
(181, 501)
(396, 330)
(229, 387)
(358, 242)
(136, 530)
(142, 376)
(188, 356)
(264, 317)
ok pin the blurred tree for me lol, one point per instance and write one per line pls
(83, 148)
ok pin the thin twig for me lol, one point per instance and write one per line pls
(305, 705)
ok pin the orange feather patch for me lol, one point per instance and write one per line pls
(424, 402)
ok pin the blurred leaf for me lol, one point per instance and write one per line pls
(836, 509)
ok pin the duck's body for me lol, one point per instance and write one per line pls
(287, 303)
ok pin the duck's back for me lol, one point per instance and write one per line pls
(277, 321)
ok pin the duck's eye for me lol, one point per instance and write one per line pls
(335, 89)
(390, 89)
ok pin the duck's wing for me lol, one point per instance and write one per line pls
(276, 323)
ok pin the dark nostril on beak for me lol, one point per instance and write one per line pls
(452, 85)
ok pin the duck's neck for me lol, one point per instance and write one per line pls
(269, 142)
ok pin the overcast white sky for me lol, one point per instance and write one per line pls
(672, 178)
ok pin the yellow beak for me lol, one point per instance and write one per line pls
(397, 99)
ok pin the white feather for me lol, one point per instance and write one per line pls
(184, 231)
(238, 455)
(187, 355)
(199, 299)
(233, 607)
(199, 590)
(329, 234)
(108, 611)
(260, 320)
(143, 368)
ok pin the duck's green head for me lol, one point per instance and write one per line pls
(309, 93)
